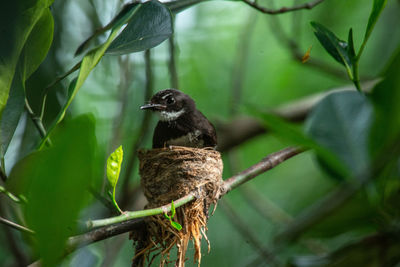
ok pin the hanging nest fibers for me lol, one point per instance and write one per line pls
(168, 174)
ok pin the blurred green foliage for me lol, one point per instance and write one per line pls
(228, 57)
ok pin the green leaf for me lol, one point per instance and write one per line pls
(180, 5)
(295, 135)
(55, 182)
(17, 20)
(176, 225)
(34, 52)
(173, 211)
(377, 7)
(12, 112)
(114, 162)
(350, 48)
(119, 20)
(38, 43)
(89, 61)
(385, 98)
(341, 123)
(337, 48)
(150, 25)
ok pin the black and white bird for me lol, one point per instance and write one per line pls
(180, 124)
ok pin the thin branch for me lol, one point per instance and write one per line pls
(37, 121)
(131, 221)
(102, 233)
(129, 215)
(264, 165)
(265, 10)
(244, 229)
(16, 226)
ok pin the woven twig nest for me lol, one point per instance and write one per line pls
(168, 174)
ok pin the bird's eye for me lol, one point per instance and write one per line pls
(170, 100)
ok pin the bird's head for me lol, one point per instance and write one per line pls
(170, 104)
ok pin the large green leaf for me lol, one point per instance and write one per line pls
(180, 5)
(385, 97)
(337, 48)
(12, 112)
(38, 43)
(55, 183)
(341, 123)
(17, 20)
(150, 25)
(34, 52)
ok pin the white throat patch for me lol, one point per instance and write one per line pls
(170, 115)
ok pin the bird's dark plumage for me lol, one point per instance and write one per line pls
(180, 124)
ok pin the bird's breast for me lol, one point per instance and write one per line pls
(190, 139)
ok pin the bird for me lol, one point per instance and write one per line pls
(180, 122)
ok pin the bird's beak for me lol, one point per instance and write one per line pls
(154, 106)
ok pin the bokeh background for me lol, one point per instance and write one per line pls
(228, 57)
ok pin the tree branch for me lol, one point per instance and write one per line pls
(120, 224)
(16, 226)
(265, 10)
(264, 165)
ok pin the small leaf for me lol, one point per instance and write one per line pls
(377, 7)
(337, 48)
(172, 209)
(341, 123)
(114, 162)
(150, 25)
(167, 217)
(176, 225)
(350, 48)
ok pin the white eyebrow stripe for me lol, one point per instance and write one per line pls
(165, 96)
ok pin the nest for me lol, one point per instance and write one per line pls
(168, 174)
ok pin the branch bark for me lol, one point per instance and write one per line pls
(265, 10)
(121, 225)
